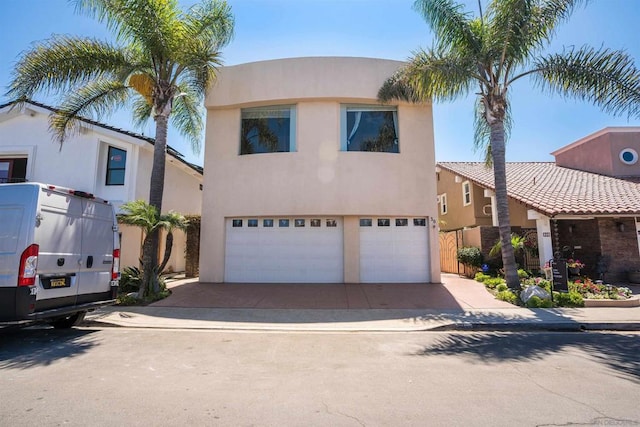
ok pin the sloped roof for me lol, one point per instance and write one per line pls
(172, 152)
(554, 190)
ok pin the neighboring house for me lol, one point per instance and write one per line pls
(586, 205)
(310, 179)
(111, 163)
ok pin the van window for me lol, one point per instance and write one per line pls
(10, 218)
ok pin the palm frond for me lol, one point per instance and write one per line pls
(431, 75)
(95, 99)
(604, 77)
(142, 111)
(57, 65)
(152, 24)
(211, 22)
(172, 220)
(139, 214)
(188, 116)
(451, 25)
(519, 27)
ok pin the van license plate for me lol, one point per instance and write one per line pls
(58, 283)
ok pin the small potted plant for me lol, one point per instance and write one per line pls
(574, 266)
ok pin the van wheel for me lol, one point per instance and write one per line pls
(67, 322)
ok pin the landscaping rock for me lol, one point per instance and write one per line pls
(531, 291)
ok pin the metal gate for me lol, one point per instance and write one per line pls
(450, 241)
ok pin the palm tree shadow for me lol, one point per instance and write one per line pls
(27, 348)
(617, 352)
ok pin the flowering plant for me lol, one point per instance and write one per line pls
(574, 263)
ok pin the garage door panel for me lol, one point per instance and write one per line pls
(284, 254)
(394, 253)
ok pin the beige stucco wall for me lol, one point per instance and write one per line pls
(458, 215)
(600, 152)
(317, 179)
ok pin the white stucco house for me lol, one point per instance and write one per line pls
(309, 179)
(111, 163)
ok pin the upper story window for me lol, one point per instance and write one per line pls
(369, 128)
(466, 193)
(116, 162)
(13, 170)
(443, 204)
(267, 130)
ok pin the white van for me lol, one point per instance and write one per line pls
(59, 254)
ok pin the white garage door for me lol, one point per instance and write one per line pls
(394, 250)
(284, 250)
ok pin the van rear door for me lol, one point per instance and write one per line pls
(59, 236)
(94, 275)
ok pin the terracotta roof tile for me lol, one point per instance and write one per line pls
(554, 190)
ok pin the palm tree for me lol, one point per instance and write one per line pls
(163, 61)
(141, 214)
(488, 54)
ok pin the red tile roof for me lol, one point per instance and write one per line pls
(554, 190)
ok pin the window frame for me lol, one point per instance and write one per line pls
(466, 193)
(345, 108)
(107, 181)
(292, 126)
(443, 204)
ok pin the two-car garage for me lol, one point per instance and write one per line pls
(312, 250)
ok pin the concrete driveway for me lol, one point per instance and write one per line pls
(453, 293)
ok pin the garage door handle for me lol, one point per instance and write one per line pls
(89, 261)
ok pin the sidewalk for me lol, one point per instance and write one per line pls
(456, 304)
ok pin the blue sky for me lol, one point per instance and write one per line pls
(390, 29)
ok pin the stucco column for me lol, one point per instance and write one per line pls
(494, 207)
(543, 227)
(351, 245)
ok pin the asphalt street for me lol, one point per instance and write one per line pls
(136, 377)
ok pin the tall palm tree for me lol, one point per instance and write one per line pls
(488, 54)
(162, 63)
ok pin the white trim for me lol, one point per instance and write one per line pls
(633, 152)
(466, 193)
(444, 208)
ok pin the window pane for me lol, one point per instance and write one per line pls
(332, 223)
(236, 223)
(315, 222)
(283, 223)
(419, 222)
(115, 177)
(117, 158)
(372, 131)
(299, 222)
(267, 223)
(384, 222)
(265, 130)
(365, 222)
(252, 223)
(401, 222)
(4, 171)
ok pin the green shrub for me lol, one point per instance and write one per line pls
(493, 282)
(537, 302)
(502, 287)
(568, 299)
(481, 277)
(130, 280)
(522, 274)
(508, 296)
(470, 256)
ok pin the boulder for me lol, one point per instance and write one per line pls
(535, 290)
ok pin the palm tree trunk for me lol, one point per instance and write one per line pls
(497, 140)
(167, 251)
(156, 190)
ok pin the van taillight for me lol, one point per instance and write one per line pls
(28, 266)
(115, 268)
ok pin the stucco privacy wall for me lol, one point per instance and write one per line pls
(318, 178)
